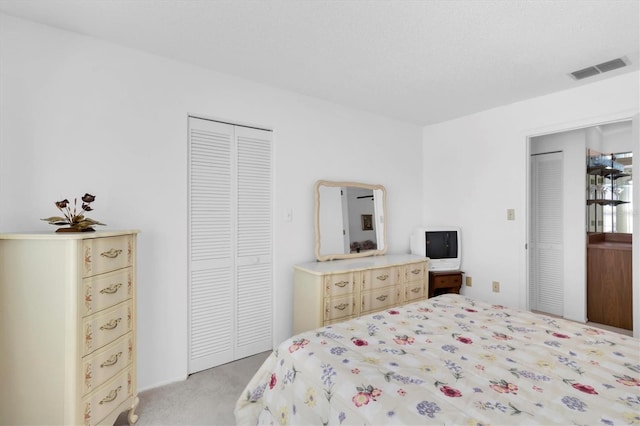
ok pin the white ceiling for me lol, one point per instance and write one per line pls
(417, 61)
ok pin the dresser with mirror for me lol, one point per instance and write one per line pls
(353, 274)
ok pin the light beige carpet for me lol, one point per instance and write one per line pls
(205, 398)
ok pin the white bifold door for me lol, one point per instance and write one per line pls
(230, 242)
(546, 260)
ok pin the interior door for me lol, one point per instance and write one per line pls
(230, 243)
(254, 241)
(546, 234)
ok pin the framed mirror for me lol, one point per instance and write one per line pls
(349, 220)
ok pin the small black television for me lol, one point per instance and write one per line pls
(441, 244)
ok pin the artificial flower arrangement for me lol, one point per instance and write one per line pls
(76, 221)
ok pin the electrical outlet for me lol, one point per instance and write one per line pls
(511, 214)
(468, 281)
(496, 287)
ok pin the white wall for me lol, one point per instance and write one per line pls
(485, 160)
(79, 115)
(618, 141)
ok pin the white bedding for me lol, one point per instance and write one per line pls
(448, 360)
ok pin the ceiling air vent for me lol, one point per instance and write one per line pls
(599, 69)
(611, 65)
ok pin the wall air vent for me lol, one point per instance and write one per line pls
(600, 68)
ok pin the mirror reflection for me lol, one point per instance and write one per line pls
(349, 220)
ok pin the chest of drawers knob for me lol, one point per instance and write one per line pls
(111, 254)
(342, 306)
(111, 396)
(111, 325)
(112, 289)
(113, 360)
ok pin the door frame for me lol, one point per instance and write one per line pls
(527, 136)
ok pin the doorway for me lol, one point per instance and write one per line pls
(573, 144)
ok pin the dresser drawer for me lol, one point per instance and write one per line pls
(382, 277)
(339, 307)
(414, 290)
(380, 299)
(106, 290)
(106, 363)
(107, 254)
(447, 281)
(338, 284)
(102, 329)
(415, 272)
(99, 404)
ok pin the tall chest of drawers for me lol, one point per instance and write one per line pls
(68, 339)
(333, 291)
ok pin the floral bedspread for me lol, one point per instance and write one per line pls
(448, 360)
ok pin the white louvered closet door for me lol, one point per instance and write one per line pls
(230, 243)
(254, 242)
(546, 236)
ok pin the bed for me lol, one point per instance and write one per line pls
(448, 360)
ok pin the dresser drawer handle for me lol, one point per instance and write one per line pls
(112, 396)
(382, 298)
(415, 290)
(111, 324)
(383, 277)
(342, 306)
(342, 283)
(416, 271)
(113, 360)
(111, 254)
(112, 289)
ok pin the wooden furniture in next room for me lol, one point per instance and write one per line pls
(441, 282)
(609, 294)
